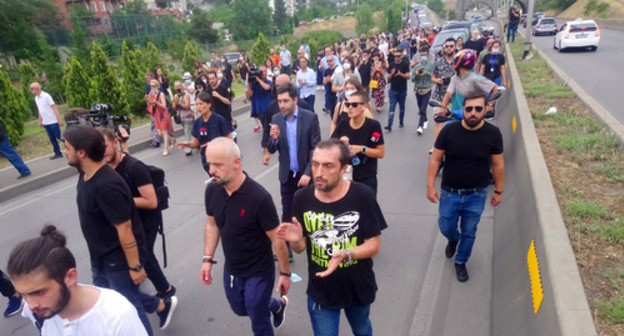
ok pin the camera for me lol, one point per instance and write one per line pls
(254, 73)
(99, 115)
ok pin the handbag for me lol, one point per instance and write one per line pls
(374, 84)
(177, 118)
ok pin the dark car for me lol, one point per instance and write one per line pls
(231, 57)
(436, 46)
(457, 25)
(545, 26)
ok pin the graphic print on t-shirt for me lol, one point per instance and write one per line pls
(330, 234)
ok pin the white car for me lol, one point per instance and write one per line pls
(577, 34)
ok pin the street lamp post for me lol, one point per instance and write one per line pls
(529, 28)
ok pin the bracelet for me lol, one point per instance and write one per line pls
(498, 192)
(286, 274)
(349, 256)
(208, 259)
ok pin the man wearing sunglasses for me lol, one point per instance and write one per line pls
(470, 148)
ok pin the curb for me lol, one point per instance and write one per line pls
(40, 181)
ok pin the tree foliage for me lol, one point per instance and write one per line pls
(13, 109)
(281, 19)
(260, 50)
(78, 36)
(316, 11)
(49, 63)
(27, 76)
(192, 53)
(132, 83)
(364, 17)
(200, 28)
(393, 20)
(104, 86)
(77, 85)
(252, 17)
(151, 59)
(135, 7)
(222, 13)
(436, 6)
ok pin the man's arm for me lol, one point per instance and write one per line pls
(263, 84)
(148, 199)
(131, 250)
(58, 116)
(498, 171)
(211, 240)
(432, 172)
(368, 249)
(281, 251)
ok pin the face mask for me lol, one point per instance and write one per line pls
(346, 66)
(495, 50)
(179, 90)
(188, 82)
(348, 94)
(219, 75)
(276, 73)
(423, 58)
(204, 80)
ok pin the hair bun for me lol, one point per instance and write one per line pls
(50, 231)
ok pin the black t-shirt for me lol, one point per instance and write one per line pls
(103, 202)
(476, 45)
(214, 127)
(491, 65)
(339, 225)
(369, 135)
(227, 72)
(243, 220)
(136, 175)
(365, 72)
(328, 73)
(220, 107)
(467, 154)
(399, 84)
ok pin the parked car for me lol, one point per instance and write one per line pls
(436, 46)
(457, 24)
(545, 26)
(577, 34)
(536, 17)
(231, 57)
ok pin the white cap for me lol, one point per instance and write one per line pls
(187, 75)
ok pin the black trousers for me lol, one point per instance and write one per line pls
(6, 287)
(287, 191)
(152, 267)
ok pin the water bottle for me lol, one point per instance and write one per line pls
(355, 160)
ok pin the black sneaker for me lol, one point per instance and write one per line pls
(165, 315)
(401, 125)
(388, 128)
(14, 306)
(280, 316)
(461, 272)
(450, 249)
(56, 156)
(171, 292)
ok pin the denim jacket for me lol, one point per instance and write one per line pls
(422, 81)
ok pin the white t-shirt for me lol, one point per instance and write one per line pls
(44, 104)
(112, 315)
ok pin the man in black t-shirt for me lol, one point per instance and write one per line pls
(470, 148)
(221, 96)
(243, 216)
(111, 226)
(328, 76)
(138, 178)
(398, 74)
(338, 223)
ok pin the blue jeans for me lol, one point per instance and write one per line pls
(465, 209)
(252, 297)
(286, 69)
(396, 96)
(120, 281)
(310, 100)
(326, 321)
(327, 94)
(511, 31)
(7, 150)
(422, 100)
(54, 134)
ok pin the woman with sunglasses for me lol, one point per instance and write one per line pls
(341, 112)
(157, 108)
(365, 140)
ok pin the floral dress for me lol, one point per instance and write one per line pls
(380, 92)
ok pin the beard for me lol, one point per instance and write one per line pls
(328, 186)
(61, 303)
(473, 121)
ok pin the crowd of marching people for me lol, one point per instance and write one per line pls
(322, 177)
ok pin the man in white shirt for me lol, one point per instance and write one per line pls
(285, 59)
(44, 272)
(306, 81)
(48, 117)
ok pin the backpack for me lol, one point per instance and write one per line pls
(162, 191)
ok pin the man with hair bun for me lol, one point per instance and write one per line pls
(44, 271)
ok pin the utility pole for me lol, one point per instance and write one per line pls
(529, 28)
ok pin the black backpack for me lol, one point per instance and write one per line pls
(162, 191)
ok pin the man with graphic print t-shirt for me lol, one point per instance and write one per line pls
(340, 223)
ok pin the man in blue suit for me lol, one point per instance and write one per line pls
(294, 133)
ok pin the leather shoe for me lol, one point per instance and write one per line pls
(461, 272)
(450, 249)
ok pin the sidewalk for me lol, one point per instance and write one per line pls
(46, 171)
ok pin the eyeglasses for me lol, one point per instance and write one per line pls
(477, 109)
(353, 104)
(449, 46)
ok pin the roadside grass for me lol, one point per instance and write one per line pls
(587, 170)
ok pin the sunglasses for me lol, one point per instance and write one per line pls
(469, 109)
(353, 104)
(449, 46)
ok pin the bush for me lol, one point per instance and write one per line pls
(13, 109)
(27, 76)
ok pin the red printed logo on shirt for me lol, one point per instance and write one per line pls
(242, 213)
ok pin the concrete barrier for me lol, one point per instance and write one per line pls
(530, 212)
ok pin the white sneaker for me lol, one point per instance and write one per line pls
(425, 125)
(419, 130)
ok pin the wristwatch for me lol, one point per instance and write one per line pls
(137, 268)
(363, 149)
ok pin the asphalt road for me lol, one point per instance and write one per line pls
(411, 246)
(599, 72)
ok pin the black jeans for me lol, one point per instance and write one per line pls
(152, 267)
(422, 100)
(6, 287)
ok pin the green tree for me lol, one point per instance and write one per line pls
(436, 6)
(151, 59)
(104, 87)
(78, 36)
(13, 109)
(192, 53)
(132, 84)
(49, 63)
(77, 88)
(222, 13)
(135, 7)
(393, 20)
(281, 19)
(260, 50)
(200, 28)
(252, 17)
(364, 17)
(27, 76)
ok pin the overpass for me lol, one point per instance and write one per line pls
(464, 5)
